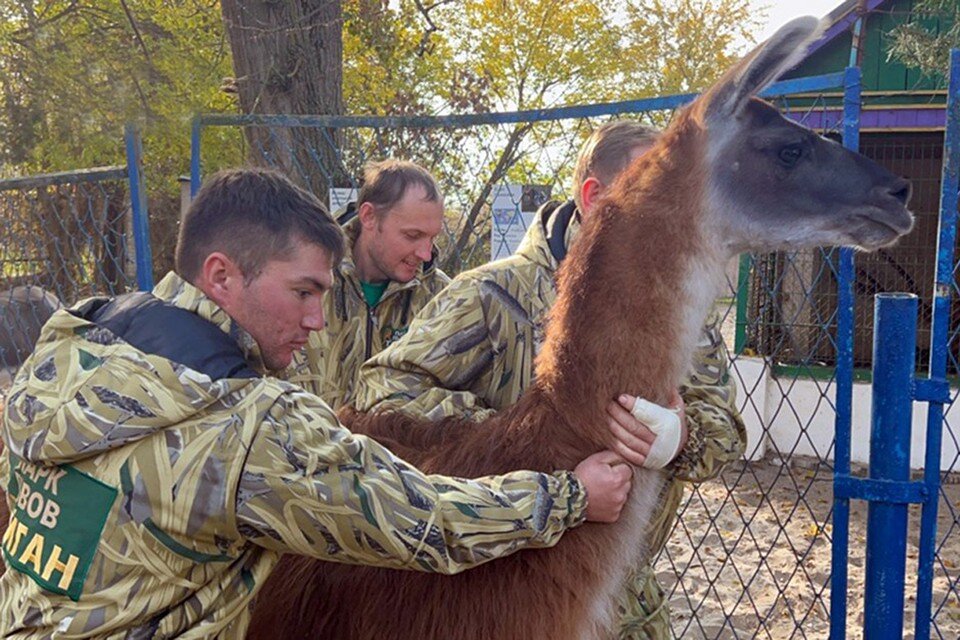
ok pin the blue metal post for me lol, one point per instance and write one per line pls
(894, 351)
(138, 202)
(844, 401)
(195, 130)
(939, 344)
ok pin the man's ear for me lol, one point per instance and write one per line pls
(221, 278)
(367, 215)
(589, 194)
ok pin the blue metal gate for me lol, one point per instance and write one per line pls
(67, 236)
(889, 489)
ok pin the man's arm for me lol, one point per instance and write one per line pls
(311, 487)
(431, 371)
(717, 434)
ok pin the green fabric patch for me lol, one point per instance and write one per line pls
(364, 501)
(55, 528)
(466, 510)
(373, 291)
(89, 361)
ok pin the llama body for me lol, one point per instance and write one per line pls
(729, 175)
(478, 604)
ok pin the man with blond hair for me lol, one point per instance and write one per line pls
(503, 307)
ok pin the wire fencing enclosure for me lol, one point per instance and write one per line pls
(65, 236)
(940, 532)
(475, 160)
(750, 555)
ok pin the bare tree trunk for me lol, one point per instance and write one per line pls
(287, 57)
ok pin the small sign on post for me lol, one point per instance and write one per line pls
(340, 197)
(512, 212)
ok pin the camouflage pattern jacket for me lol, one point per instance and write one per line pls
(328, 365)
(471, 351)
(155, 477)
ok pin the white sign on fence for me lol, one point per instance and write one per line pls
(340, 197)
(512, 212)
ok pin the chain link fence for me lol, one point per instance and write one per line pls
(64, 237)
(786, 357)
(750, 555)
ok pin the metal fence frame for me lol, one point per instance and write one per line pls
(132, 172)
(91, 244)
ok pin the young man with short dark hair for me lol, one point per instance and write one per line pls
(157, 471)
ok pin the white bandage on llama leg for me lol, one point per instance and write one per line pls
(665, 424)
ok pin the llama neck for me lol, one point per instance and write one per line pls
(634, 293)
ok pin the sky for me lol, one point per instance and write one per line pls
(780, 12)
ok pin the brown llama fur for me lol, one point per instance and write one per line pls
(605, 336)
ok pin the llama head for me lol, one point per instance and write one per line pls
(773, 184)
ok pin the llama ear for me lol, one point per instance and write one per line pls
(761, 67)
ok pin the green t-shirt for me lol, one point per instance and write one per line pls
(373, 291)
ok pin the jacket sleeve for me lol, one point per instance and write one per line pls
(717, 433)
(4, 474)
(432, 371)
(311, 487)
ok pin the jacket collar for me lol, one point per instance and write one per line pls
(555, 227)
(180, 293)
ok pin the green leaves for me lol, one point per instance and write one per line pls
(924, 40)
(85, 67)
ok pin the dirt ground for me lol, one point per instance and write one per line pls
(751, 556)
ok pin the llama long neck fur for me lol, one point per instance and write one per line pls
(635, 289)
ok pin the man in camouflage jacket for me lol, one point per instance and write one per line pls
(471, 352)
(386, 277)
(156, 473)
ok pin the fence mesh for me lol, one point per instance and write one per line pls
(64, 237)
(750, 554)
(470, 163)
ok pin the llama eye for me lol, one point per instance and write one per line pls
(790, 154)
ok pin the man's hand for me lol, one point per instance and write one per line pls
(635, 439)
(606, 478)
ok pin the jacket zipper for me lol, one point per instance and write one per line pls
(368, 348)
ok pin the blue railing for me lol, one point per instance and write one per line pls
(660, 103)
(844, 401)
(888, 489)
(940, 344)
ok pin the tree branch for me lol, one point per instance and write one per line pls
(508, 157)
(139, 37)
(66, 11)
(431, 25)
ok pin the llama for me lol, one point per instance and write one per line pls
(729, 175)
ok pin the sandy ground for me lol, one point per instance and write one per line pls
(751, 556)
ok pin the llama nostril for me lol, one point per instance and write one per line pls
(901, 190)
